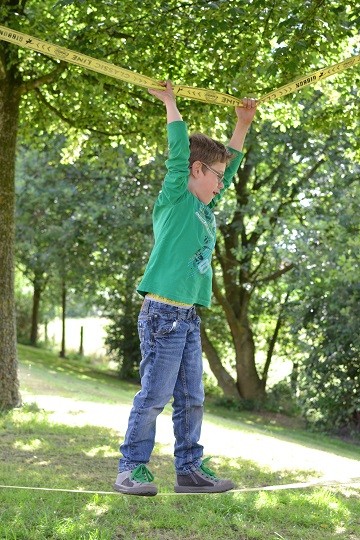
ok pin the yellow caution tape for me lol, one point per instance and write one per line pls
(198, 94)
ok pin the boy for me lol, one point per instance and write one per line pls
(177, 278)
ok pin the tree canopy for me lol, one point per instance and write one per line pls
(242, 48)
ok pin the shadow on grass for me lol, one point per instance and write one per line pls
(34, 452)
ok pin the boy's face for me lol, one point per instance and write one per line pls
(206, 181)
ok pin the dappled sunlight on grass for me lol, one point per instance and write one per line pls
(351, 491)
(85, 458)
(71, 442)
(41, 372)
(269, 452)
(80, 451)
(317, 509)
(238, 437)
(28, 447)
(96, 508)
(102, 451)
(277, 453)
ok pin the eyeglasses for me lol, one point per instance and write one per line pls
(220, 175)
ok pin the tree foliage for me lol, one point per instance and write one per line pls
(324, 314)
(87, 223)
(238, 47)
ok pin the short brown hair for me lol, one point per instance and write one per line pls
(203, 148)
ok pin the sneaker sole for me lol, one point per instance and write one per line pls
(203, 489)
(143, 491)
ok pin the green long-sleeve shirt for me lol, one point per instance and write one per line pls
(179, 267)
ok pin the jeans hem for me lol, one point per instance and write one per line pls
(193, 467)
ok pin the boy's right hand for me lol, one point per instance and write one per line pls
(166, 95)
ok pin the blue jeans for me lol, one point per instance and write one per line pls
(171, 366)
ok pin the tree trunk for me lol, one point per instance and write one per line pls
(130, 341)
(62, 353)
(35, 313)
(9, 111)
(273, 341)
(248, 383)
(81, 347)
(224, 379)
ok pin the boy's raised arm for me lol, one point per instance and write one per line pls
(167, 96)
(245, 116)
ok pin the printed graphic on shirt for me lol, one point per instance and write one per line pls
(201, 260)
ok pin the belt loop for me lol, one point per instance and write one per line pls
(145, 306)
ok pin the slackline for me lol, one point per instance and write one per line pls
(195, 93)
(350, 482)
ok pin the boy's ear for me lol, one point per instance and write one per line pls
(196, 168)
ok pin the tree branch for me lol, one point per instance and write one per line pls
(224, 379)
(71, 122)
(258, 232)
(230, 315)
(259, 265)
(45, 79)
(273, 341)
(262, 182)
(275, 275)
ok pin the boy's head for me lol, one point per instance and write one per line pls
(207, 163)
(207, 150)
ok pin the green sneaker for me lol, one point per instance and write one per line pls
(203, 480)
(136, 482)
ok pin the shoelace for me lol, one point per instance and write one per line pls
(142, 474)
(206, 469)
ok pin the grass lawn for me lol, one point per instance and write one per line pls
(37, 451)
